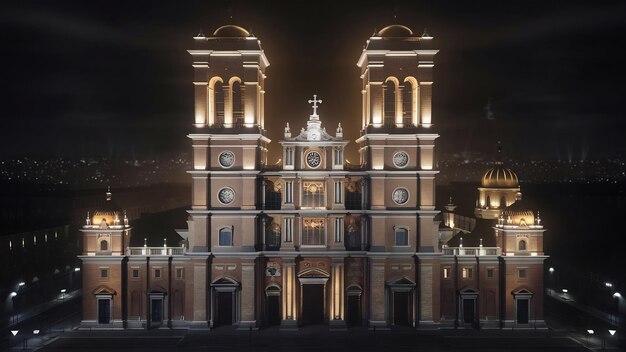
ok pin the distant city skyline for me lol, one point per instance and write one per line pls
(84, 80)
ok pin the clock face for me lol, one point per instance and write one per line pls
(400, 196)
(226, 195)
(400, 159)
(313, 159)
(227, 159)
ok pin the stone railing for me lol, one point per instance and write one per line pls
(473, 251)
(147, 251)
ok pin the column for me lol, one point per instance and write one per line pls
(398, 96)
(337, 310)
(425, 91)
(200, 92)
(289, 319)
(250, 104)
(200, 296)
(247, 296)
(376, 103)
(378, 303)
(228, 105)
(287, 233)
(426, 289)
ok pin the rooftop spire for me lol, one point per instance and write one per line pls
(499, 154)
(109, 195)
(314, 102)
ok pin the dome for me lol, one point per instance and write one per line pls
(499, 176)
(518, 213)
(109, 213)
(231, 31)
(395, 30)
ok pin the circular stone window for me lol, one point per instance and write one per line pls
(400, 159)
(400, 195)
(313, 159)
(226, 195)
(227, 159)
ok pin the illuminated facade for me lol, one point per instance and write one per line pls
(311, 239)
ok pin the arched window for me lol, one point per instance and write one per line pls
(389, 103)
(521, 245)
(401, 236)
(218, 98)
(488, 202)
(238, 117)
(104, 245)
(407, 104)
(503, 202)
(226, 236)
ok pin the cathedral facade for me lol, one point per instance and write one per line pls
(312, 239)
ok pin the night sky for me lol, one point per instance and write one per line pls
(106, 78)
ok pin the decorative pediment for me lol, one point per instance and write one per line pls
(225, 281)
(521, 291)
(313, 272)
(103, 290)
(402, 282)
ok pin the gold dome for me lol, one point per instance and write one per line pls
(109, 212)
(500, 176)
(396, 30)
(109, 217)
(231, 31)
(518, 213)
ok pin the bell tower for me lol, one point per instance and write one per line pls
(396, 137)
(397, 152)
(229, 152)
(228, 136)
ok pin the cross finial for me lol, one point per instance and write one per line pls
(314, 102)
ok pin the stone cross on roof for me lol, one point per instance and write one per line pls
(314, 102)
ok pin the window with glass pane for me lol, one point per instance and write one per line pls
(313, 194)
(313, 231)
(272, 236)
(226, 236)
(402, 237)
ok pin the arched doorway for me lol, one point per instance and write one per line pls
(224, 301)
(401, 302)
(313, 296)
(272, 299)
(353, 305)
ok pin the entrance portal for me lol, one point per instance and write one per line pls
(273, 310)
(312, 304)
(469, 308)
(401, 308)
(104, 311)
(224, 307)
(354, 310)
(522, 310)
(156, 312)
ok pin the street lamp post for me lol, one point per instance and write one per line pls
(13, 295)
(590, 332)
(551, 280)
